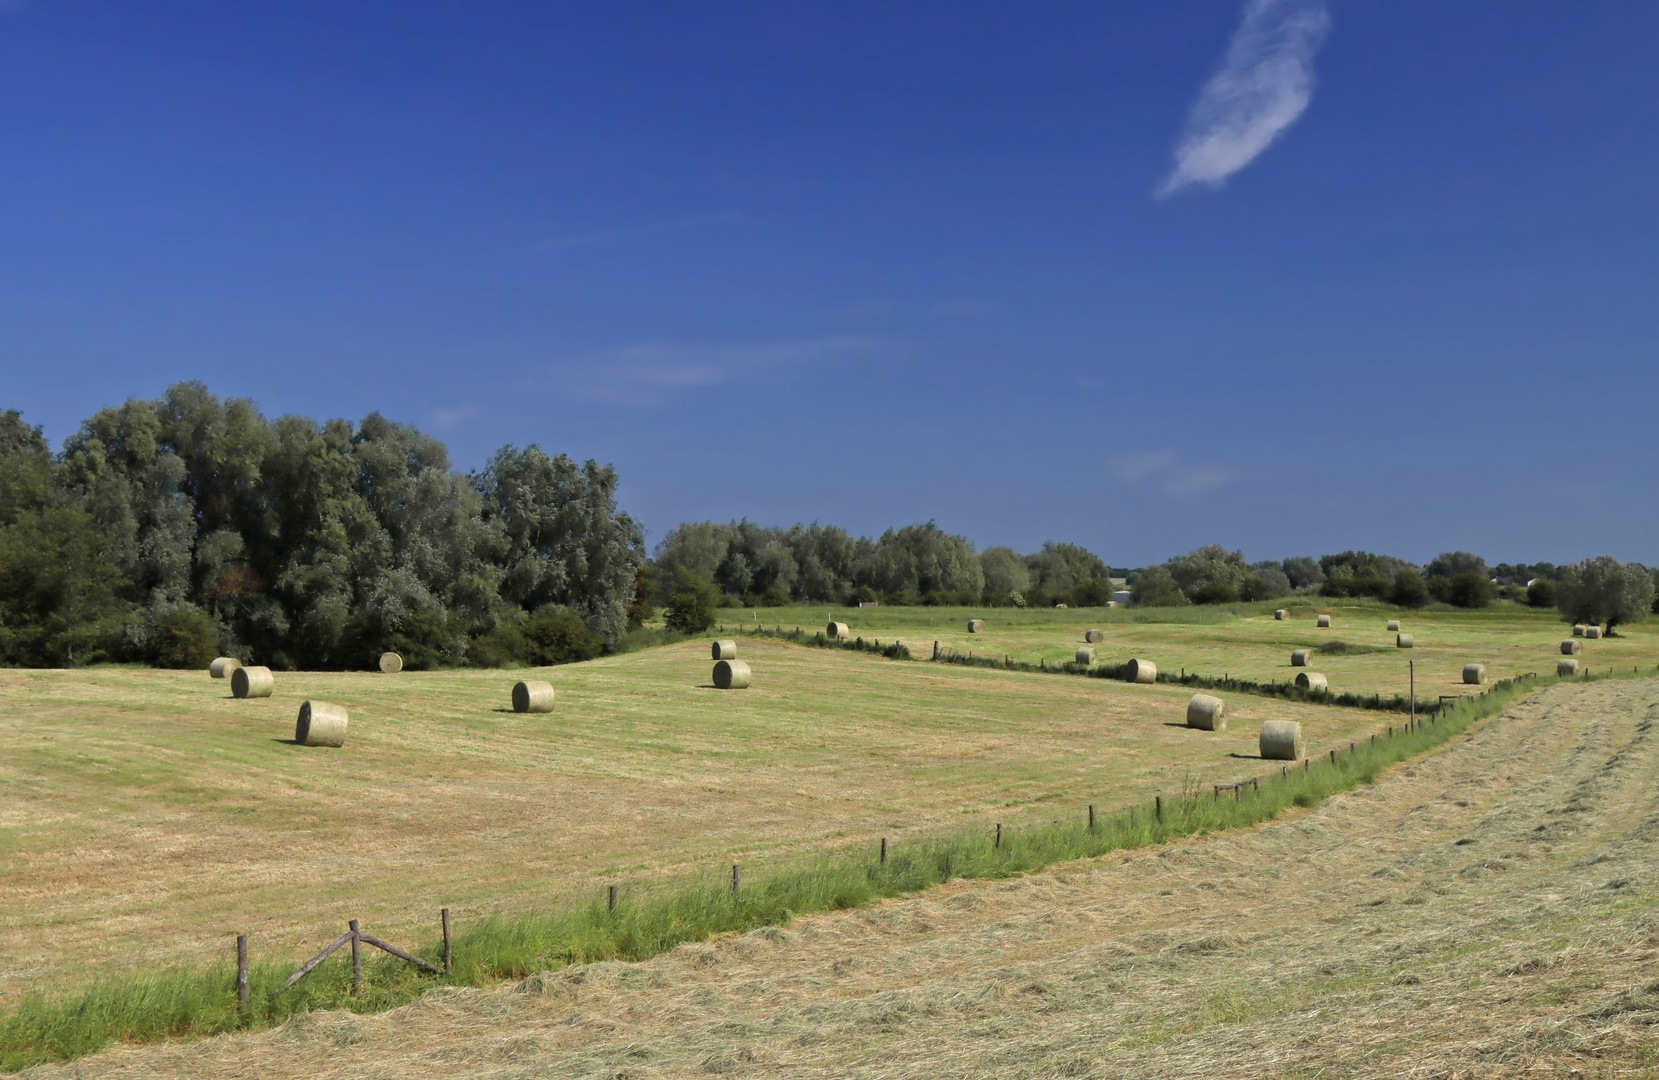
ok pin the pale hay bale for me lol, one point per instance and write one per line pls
(391, 663)
(246, 682)
(1085, 655)
(1578, 629)
(1061, 607)
(1393, 626)
(976, 626)
(1094, 637)
(1142, 671)
(1281, 614)
(1403, 641)
(731, 675)
(1323, 621)
(321, 723)
(837, 631)
(533, 695)
(1206, 713)
(1592, 632)
(1571, 647)
(222, 667)
(1281, 740)
(1300, 657)
(1566, 667)
(1474, 674)
(1311, 680)
(724, 649)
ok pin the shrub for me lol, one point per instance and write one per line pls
(1409, 590)
(1156, 588)
(557, 635)
(185, 637)
(1471, 589)
(691, 605)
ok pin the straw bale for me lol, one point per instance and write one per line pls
(1474, 674)
(1393, 626)
(1206, 713)
(1311, 680)
(1592, 632)
(222, 667)
(321, 723)
(976, 626)
(391, 663)
(246, 682)
(1578, 629)
(1085, 655)
(1323, 621)
(1300, 657)
(1566, 667)
(533, 695)
(724, 649)
(1403, 641)
(1281, 740)
(1143, 671)
(1094, 637)
(1570, 647)
(837, 631)
(1281, 614)
(731, 675)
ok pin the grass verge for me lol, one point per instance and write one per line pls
(201, 1000)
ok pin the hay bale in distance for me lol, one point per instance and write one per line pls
(1403, 641)
(1061, 607)
(1592, 632)
(246, 682)
(1206, 713)
(1300, 657)
(391, 663)
(1094, 637)
(533, 695)
(222, 667)
(1143, 671)
(1281, 740)
(1571, 647)
(731, 675)
(1566, 667)
(1085, 655)
(1281, 614)
(1323, 621)
(837, 631)
(1474, 674)
(1311, 680)
(1393, 626)
(724, 649)
(976, 626)
(321, 723)
(1578, 629)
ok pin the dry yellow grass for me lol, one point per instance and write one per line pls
(1489, 911)
(147, 816)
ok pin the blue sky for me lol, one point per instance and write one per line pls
(880, 263)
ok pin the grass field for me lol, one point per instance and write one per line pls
(147, 816)
(1246, 642)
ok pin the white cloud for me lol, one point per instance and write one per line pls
(647, 374)
(1264, 84)
(1170, 474)
(451, 418)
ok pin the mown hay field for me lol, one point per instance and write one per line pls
(147, 816)
(1247, 643)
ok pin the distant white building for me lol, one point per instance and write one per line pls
(1121, 597)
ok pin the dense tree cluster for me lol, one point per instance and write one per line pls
(175, 529)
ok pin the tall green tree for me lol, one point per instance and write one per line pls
(1605, 591)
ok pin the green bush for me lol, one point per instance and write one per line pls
(692, 604)
(1409, 590)
(557, 635)
(1471, 589)
(185, 637)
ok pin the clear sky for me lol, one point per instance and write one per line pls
(1289, 276)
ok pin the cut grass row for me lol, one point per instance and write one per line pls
(201, 1000)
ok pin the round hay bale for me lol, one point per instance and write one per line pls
(1281, 740)
(1592, 632)
(1393, 626)
(1281, 614)
(976, 626)
(1566, 667)
(1300, 657)
(1578, 630)
(731, 675)
(1311, 680)
(837, 631)
(1206, 713)
(222, 667)
(1085, 655)
(391, 663)
(321, 723)
(1094, 637)
(1571, 647)
(1061, 607)
(724, 649)
(1323, 621)
(1403, 641)
(246, 682)
(1140, 671)
(533, 695)
(1474, 674)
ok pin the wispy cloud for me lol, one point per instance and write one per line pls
(1264, 84)
(1166, 470)
(649, 374)
(448, 419)
(634, 232)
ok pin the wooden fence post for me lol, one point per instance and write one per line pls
(1158, 806)
(1091, 817)
(242, 969)
(999, 834)
(443, 917)
(611, 900)
(737, 878)
(884, 849)
(356, 959)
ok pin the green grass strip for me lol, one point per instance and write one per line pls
(201, 1000)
